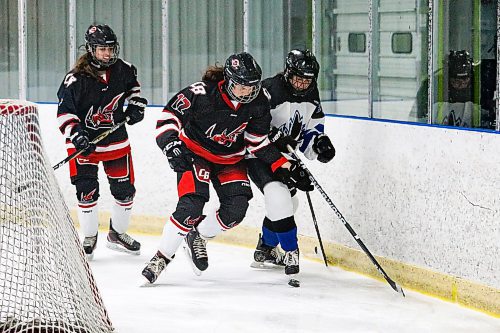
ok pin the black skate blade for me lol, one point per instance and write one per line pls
(196, 271)
(294, 283)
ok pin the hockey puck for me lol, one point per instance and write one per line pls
(294, 283)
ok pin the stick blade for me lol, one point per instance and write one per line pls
(397, 288)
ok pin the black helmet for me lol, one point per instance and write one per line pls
(460, 77)
(101, 35)
(460, 64)
(301, 63)
(241, 68)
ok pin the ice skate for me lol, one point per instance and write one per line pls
(291, 261)
(155, 266)
(266, 256)
(122, 242)
(196, 249)
(89, 245)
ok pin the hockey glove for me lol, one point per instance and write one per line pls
(80, 139)
(324, 148)
(135, 110)
(296, 177)
(280, 140)
(179, 157)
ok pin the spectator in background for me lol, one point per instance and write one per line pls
(457, 109)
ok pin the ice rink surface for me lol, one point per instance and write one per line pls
(232, 297)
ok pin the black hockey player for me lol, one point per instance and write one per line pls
(205, 131)
(298, 121)
(91, 100)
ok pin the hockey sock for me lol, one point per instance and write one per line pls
(269, 237)
(171, 238)
(87, 216)
(120, 215)
(286, 231)
(288, 240)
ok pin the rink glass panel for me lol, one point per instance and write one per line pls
(137, 25)
(9, 55)
(465, 97)
(378, 80)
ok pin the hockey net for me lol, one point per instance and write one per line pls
(46, 284)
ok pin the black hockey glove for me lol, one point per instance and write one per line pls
(80, 139)
(135, 110)
(296, 177)
(179, 157)
(280, 140)
(324, 148)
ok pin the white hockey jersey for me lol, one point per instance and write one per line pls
(300, 117)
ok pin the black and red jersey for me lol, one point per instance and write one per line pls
(97, 105)
(216, 128)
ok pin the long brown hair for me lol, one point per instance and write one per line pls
(83, 66)
(213, 73)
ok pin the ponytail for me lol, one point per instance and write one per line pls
(214, 73)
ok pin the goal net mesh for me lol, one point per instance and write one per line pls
(46, 284)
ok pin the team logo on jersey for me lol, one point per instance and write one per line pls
(103, 117)
(294, 127)
(224, 138)
(454, 119)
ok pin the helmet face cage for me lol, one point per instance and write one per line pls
(242, 69)
(101, 36)
(460, 72)
(460, 64)
(242, 99)
(301, 63)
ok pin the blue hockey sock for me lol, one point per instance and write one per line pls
(288, 240)
(269, 237)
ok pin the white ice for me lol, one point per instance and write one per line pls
(232, 297)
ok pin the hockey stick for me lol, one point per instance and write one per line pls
(325, 196)
(96, 140)
(317, 229)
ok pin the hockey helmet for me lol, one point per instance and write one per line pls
(242, 69)
(101, 35)
(301, 63)
(460, 64)
(460, 71)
